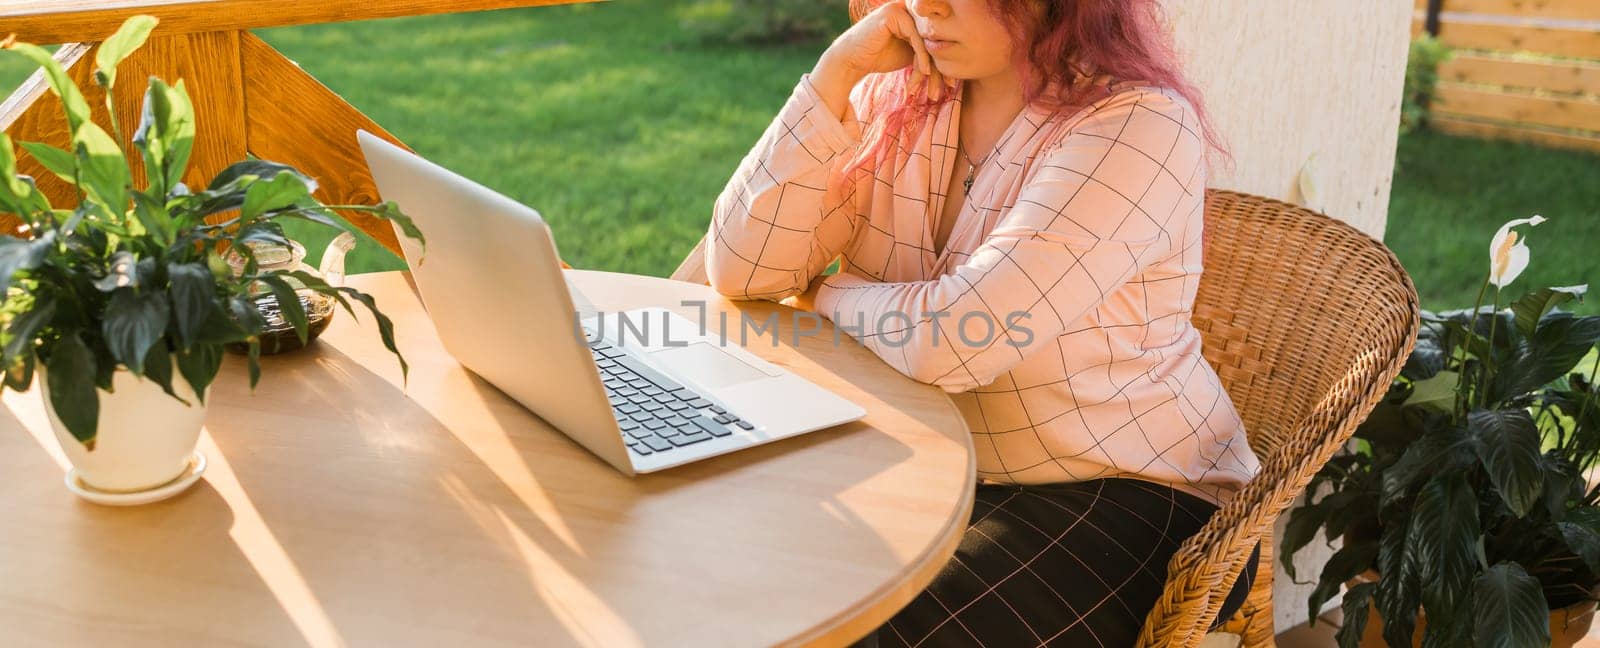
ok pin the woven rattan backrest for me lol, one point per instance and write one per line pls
(1288, 302)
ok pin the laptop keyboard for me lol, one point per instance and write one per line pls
(656, 413)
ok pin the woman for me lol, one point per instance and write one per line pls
(1015, 190)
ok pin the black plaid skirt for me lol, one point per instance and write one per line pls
(1077, 564)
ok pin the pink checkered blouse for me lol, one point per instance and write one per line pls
(1057, 315)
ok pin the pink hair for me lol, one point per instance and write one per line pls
(1059, 44)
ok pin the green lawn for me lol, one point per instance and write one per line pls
(621, 128)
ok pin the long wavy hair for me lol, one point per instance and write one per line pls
(1068, 51)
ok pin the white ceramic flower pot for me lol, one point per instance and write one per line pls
(145, 439)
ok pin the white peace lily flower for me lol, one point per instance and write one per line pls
(1508, 254)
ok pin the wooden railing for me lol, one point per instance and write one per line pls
(249, 99)
(1524, 69)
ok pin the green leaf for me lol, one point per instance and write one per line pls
(104, 168)
(166, 134)
(158, 367)
(24, 328)
(1438, 392)
(61, 163)
(129, 37)
(22, 254)
(253, 364)
(385, 327)
(77, 110)
(1581, 531)
(1530, 308)
(71, 377)
(281, 191)
(134, 321)
(240, 175)
(1443, 541)
(1345, 564)
(1509, 445)
(249, 317)
(1302, 527)
(288, 304)
(1509, 609)
(199, 366)
(152, 213)
(1357, 600)
(391, 211)
(18, 194)
(193, 298)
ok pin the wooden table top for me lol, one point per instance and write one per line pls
(341, 507)
(63, 21)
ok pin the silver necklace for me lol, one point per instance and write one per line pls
(972, 169)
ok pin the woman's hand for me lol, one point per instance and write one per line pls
(883, 41)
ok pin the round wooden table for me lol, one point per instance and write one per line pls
(344, 506)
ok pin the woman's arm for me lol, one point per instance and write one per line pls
(1098, 211)
(777, 224)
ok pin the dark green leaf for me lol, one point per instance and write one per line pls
(22, 254)
(1434, 452)
(1443, 541)
(1345, 564)
(61, 163)
(1581, 530)
(391, 211)
(177, 129)
(1357, 601)
(25, 327)
(1427, 357)
(199, 366)
(254, 362)
(119, 45)
(249, 317)
(193, 298)
(1530, 308)
(134, 321)
(1509, 609)
(77, 110)
(1302, 527)
(158, 367)
(1560, 341)
(1509, 445)
(385, 327)
(19, 375)
(71, 378)
(1399, 591)
(289, 304)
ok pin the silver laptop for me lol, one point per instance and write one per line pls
(644, 390)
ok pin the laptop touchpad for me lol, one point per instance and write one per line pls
(707, 365)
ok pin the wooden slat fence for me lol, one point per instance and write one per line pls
(1525, 70)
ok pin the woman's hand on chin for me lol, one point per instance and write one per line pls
(882, 41)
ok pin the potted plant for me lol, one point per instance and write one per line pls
(1467, 493)
(124, 301)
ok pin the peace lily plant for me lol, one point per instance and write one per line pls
(124, 300)
(1468, 493)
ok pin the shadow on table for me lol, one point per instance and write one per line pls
(130, 574)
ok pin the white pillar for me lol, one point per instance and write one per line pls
(1286, 80)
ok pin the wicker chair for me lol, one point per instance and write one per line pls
(1307, 321)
